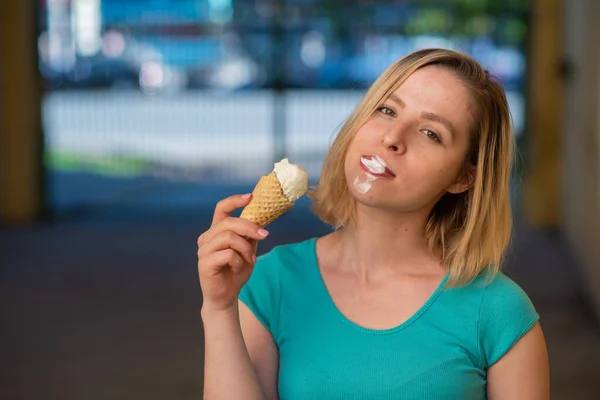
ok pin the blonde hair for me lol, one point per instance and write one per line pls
(472, 229)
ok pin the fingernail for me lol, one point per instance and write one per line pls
(263, 232)
(246, 196)
(253, 259)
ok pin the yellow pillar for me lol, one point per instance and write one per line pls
(543, 169)
(21, 191)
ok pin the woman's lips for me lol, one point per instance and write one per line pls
(387, 173)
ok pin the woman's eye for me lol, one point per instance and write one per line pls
(387, 111)
(431, 135)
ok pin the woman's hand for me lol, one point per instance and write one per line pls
(227, 254)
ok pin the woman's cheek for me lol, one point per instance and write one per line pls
(371, 129)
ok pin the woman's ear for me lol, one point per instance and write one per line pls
(465, 180)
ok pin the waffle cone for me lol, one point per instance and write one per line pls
(268, 202)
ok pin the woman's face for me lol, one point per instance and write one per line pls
(411, 150)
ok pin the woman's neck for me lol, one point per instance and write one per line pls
(381, 244)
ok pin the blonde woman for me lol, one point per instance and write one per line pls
(404, 300)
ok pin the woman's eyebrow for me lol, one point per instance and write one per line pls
(397, 100)
(438, 118)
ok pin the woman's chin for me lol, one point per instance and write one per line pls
(377, 199)
(363, 184)
(371, 198)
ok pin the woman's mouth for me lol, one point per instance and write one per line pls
(375, 166)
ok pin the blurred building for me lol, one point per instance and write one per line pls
(160, 95)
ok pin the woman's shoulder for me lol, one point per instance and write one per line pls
(274, 273)
(288, 255)
(492, 283)
(506, 313)
(493, 295)
(498, 287)
(299, 249)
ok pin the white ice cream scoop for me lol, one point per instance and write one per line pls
(292, 178)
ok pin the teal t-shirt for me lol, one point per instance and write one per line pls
(442, 352)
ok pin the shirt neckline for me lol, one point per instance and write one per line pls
(331, 304)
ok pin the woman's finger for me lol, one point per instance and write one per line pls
(230, 240)
(239, 226)
(213, 263)
(225, 207)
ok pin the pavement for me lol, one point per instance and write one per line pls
(106, 305)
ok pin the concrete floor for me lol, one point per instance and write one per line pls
(110, 310)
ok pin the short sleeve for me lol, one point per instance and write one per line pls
(262, 292)
(506, 314)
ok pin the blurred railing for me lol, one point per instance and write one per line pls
(163, 102)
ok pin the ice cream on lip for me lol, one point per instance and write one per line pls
(375, 165)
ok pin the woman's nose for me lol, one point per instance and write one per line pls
(394, 140)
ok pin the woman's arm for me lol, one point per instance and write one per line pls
(523, 372)
(262, 350)
(228, 370)
(226, 259)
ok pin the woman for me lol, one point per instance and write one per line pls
(404, 299)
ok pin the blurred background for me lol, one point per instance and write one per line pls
(123, 122)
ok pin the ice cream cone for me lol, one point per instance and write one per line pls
(268, 201)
